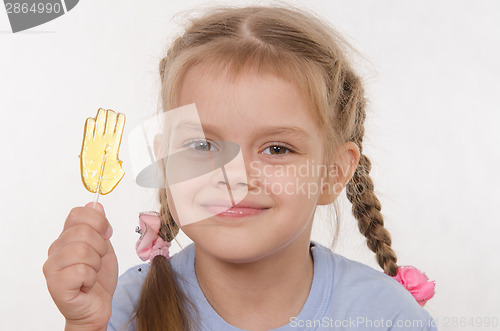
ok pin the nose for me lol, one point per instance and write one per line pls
(232, 175)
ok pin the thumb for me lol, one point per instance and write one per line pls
(98, 207)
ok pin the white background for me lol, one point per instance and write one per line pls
(432, 134)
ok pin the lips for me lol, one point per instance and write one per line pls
(241, 209)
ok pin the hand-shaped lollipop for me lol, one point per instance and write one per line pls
(100, 168)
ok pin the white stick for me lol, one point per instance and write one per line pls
(96, 198)
(97, 191)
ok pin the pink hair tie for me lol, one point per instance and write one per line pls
(150, 244)
(416, 282)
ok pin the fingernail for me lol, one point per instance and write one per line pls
(109, 233)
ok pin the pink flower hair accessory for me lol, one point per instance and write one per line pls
(150, 244)
(417, 283)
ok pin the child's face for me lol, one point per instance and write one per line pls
(279, 169)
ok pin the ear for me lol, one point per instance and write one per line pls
(344, 165)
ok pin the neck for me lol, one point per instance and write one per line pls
(276, 286)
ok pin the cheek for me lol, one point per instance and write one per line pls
(171, 206)
(185, 191)
(292, 184)
(180, 200)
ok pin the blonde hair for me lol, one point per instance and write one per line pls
(294, 45)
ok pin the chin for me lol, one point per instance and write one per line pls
(234, 249)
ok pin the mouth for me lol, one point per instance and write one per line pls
(241, 209)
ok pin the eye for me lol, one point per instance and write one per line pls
(201, 145)
(278, 149)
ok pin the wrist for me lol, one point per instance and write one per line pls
(79, 327)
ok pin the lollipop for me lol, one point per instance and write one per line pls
(99, 165)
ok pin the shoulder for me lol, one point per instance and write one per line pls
(125, 297)
(133, 276)
(348, 273)
(359, 291)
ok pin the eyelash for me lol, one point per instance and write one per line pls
(281, 145)
(211, 143)
(288, 148)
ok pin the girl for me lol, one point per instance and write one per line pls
(277, 83)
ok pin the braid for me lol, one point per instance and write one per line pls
(360, 190)
(168, 229)
(366, 208)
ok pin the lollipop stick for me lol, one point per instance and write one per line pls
(96, 197)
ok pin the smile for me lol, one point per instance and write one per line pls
(242, 209)
(234, 211)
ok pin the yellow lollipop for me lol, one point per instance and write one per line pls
(99, 165)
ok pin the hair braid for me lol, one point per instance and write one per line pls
(366, 206)
(168, 229)
(162, 304)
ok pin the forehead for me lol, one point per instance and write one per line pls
(247, 100)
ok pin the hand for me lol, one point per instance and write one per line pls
(101, 143)
(81, 269)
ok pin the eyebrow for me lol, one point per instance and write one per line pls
(189, 125)
(263, 132)
(284, 130)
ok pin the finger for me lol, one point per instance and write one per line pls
(120, 123)
(110, 121)
(98, 207)
(75, 253)
(100, 122)
(67, 284)
(83, 233)
(89, 128)
(110, 268)
(92, 217)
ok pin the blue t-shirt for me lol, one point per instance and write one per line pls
(345, 295)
